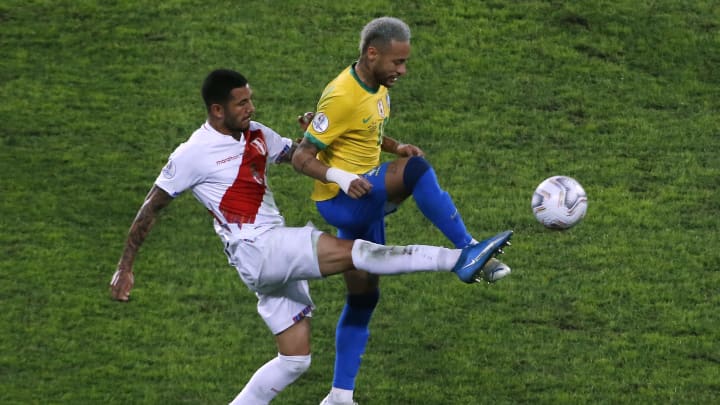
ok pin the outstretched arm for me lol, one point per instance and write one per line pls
(123, 279)
(305, 161)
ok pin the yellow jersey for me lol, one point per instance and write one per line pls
(348, 128)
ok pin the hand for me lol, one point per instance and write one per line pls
(407, 150)
(305, 120)
(359, 187)
(121, 284)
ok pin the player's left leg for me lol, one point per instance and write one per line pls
(414, 176)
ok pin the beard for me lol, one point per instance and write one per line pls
(236, 125)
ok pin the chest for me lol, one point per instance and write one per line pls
(240, 161)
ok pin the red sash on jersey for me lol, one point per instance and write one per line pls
(242, 200)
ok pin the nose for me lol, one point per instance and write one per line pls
(401, 69)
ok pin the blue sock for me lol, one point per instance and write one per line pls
(351, 337)
(434, 202)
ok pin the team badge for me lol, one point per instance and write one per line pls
(381, 109)
(169, 170)
(320, 123)
(259, 146)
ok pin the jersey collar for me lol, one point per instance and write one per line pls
(360, 82)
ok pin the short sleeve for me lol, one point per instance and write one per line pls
(179, 173)
(331, 119)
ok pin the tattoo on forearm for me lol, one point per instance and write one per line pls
(143, 222)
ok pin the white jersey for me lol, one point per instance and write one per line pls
(228, 177)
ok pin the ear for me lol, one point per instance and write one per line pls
(372, 53)
(217, 111)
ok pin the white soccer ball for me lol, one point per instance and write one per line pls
(559, 202)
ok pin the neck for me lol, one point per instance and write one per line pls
(363, 72)
(219, 127)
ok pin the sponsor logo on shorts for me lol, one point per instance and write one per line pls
(302, 314)
(373, 172)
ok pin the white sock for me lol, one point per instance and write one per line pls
(272, 378)
(380, 259)
(341, 395)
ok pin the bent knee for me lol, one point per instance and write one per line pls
(415, 168)
(361, 282)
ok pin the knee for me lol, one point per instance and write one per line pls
(368, 299)
(362, 284)
(295, 365)
(415, 168)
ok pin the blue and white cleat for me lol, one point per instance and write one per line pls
(471, 266)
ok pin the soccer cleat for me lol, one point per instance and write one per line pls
(494, 270)
(470, 267)
(329, 400)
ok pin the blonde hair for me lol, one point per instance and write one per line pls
(381, 31)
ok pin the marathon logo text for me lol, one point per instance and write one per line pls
(228, 159)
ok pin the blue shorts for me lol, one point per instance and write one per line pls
(362, 218)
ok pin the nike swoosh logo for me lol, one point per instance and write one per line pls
(475, 259)
(365, 120)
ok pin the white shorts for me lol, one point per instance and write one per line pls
(276, 265)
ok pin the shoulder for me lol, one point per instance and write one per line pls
(192, 146)
(338, 95)
(277, 144)
(268, 133)
(258, 126)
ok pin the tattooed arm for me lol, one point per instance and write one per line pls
(123, 279)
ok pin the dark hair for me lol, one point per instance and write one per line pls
(219, 83)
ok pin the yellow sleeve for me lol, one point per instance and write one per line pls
(331, 118)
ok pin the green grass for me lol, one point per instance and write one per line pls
(622, 95)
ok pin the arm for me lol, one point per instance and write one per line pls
(305, 162)
(123, 279)
(287, 157)
(303, 120)
(396, 147)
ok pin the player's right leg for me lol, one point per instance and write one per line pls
(472, 266)
(363, 219)
(353, 327)
(473, 263)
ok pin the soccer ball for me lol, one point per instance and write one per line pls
(559, 202)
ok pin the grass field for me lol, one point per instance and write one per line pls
(622, 95)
